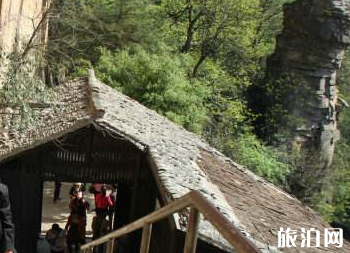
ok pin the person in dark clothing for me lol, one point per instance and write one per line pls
(78, 207)
(7, 230)
(57, 192)
(74, 239)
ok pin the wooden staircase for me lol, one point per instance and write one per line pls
(197, 204)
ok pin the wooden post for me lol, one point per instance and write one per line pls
(110, 246)
(86, 250)
(146, 238)
(192, 231)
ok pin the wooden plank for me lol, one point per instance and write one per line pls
(151, 218)
(123, 205)
(135, 191)
(146, 238)
(110, 246)
(193, 199)
(192, 231)
(225, 227)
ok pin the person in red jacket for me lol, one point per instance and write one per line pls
(103, 203)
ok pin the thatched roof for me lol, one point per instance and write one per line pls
(182, 161)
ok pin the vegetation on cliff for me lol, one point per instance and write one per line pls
(195, 62)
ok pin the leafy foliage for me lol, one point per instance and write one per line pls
(265, 161)
(158, 81)
(191, 61)
(21, 86)
(196, 62)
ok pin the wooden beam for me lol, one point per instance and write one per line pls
(146, 238)
(192, 231)
(193, 200)
(223, 225)
(136, 181)
(160, 214)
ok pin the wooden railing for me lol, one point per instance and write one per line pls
(197, 204)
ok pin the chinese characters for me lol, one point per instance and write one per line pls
(310, 238)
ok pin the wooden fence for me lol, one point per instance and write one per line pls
(198, 204)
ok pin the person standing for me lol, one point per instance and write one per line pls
(103, 204)
(7, 228)
(57, 192)
(78, 207)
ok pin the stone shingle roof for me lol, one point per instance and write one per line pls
(72, 110)
(182, 160)
(261, 207)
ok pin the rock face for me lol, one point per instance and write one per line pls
(310, 50)
(18, 19)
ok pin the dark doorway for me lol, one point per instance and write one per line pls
(87, 155)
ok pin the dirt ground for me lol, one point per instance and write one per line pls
(58, 212)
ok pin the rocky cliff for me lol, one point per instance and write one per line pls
(18, 19)
(310, 50)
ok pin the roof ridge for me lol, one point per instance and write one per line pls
(94, 98)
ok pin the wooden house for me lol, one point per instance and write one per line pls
(92, 133)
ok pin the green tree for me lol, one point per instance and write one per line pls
(159, 81)
(208, 27)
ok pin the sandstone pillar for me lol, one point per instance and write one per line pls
(310, 50)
